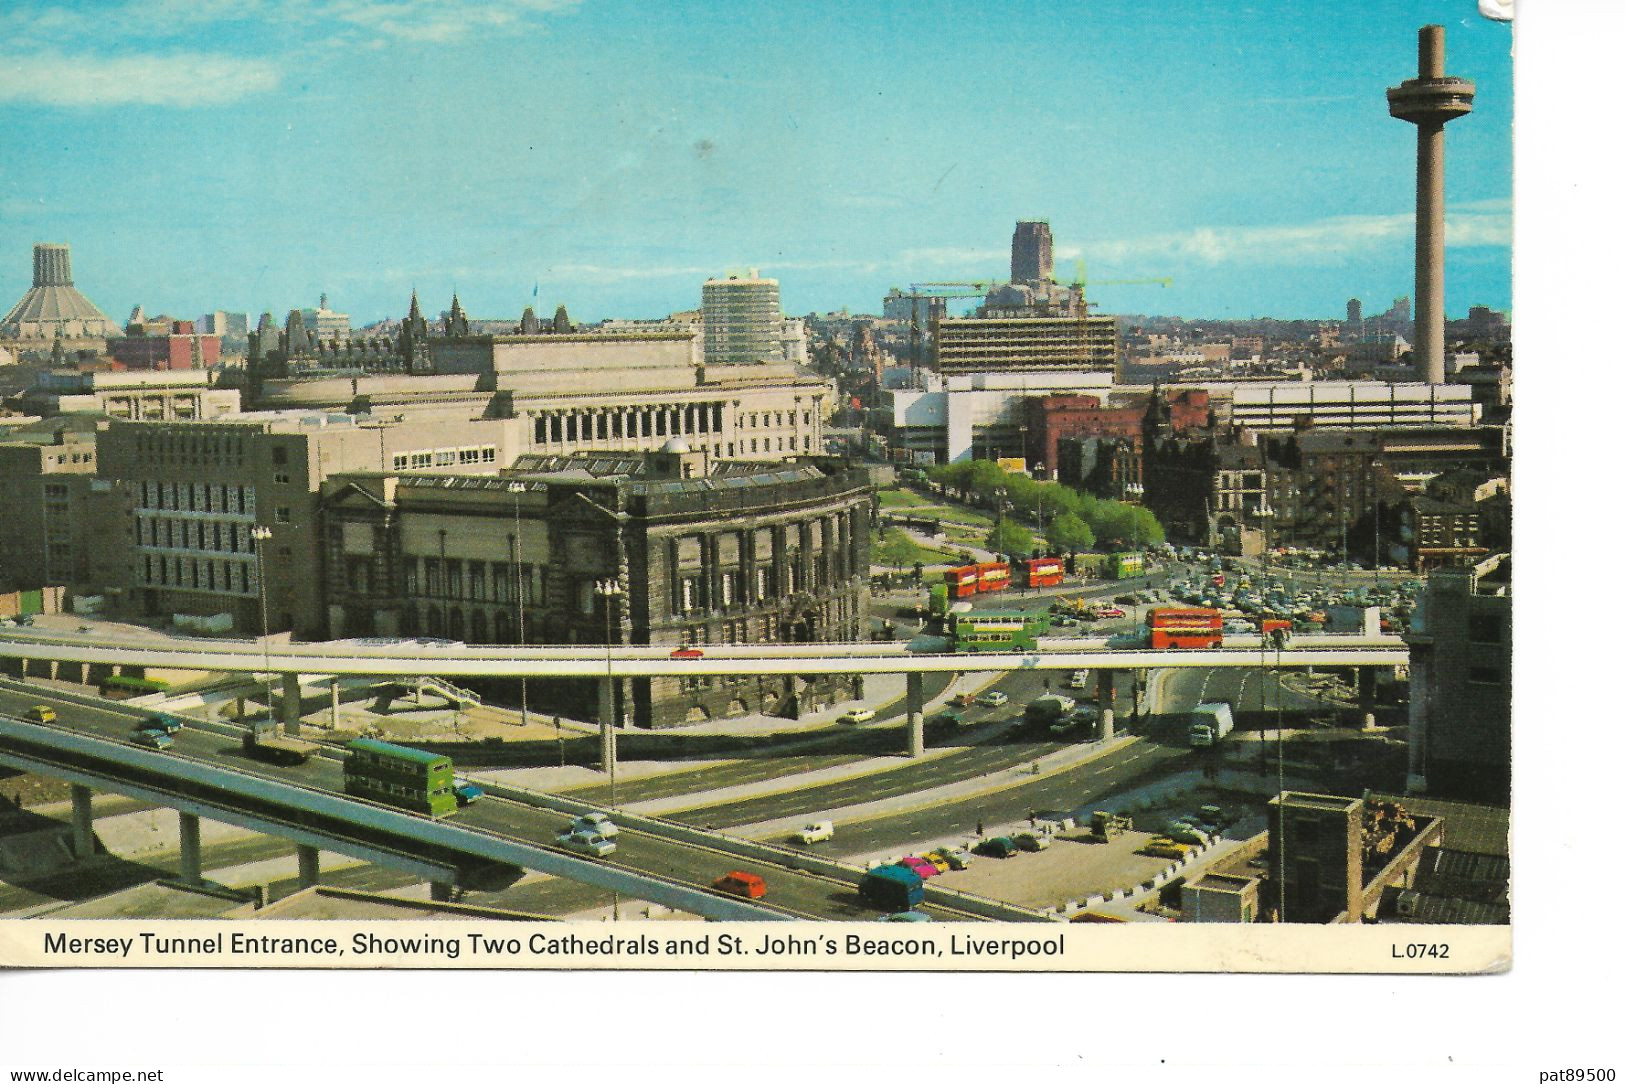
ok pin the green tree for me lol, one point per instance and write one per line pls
(1068, 532)
(895, 549)
(1010, 538)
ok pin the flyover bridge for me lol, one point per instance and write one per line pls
(609, 663)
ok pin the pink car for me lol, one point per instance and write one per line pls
(921, 866)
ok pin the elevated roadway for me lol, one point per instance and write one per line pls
(390, 658)
(206, 775)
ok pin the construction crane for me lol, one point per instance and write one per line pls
(1081, 283)
(945, 291)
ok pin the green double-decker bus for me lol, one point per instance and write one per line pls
(997, 631)
(399, 776)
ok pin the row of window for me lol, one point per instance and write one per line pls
(198, 497)
(184, 534)
(200, 574)
(443, 457)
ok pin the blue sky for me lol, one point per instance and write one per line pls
(248, 155)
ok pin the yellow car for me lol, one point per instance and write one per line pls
(938, 859)
(39, 713)
(1163, 847)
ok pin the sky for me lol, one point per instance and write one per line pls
(249, 155)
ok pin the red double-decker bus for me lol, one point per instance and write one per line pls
(961, 581)
(994, 576)
(1185, 626)
(1041, 572)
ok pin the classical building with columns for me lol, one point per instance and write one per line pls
(581, 391)
(697, 550)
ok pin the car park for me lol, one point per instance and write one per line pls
(858, 715)
(993, 698)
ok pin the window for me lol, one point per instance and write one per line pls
(284, 515)
(279, 456)
(488, 455)
(1484, 675)
(282, 479)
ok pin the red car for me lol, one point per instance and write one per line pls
(740, 883)
(688, 653)
(1109, 611)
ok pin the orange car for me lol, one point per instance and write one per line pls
(740, 883)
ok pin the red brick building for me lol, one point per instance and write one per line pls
(1052, 417)
(178, 346)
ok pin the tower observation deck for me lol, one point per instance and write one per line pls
(1430, 101)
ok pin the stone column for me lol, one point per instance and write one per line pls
(310, 872)
(916, 713)
(1366, 679)
(333, 716)
(191, 850)
(84, 833)
(287, 705)
(1105, 699)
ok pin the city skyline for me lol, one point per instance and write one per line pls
(251, 157)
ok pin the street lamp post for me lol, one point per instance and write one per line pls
(261, 535)
(608, 590)
(516, 488)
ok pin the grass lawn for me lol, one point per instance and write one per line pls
(909, 552)
(901, 498)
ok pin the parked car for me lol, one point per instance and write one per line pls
(858, 715)
(937, 860)
(1078, 680)
(740, 883)
(1109, 611)
(1163, 847)
(958, 857)
(993, 698)
(997, 847)
(920, 866)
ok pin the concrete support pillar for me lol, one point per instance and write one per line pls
(84, 673)
(310, 868)
(606, 725)
(441, 892)
(333, 712)
(916, 714)
(1366, 682)
(191, 849)
(1105, 700)
(55, 668)
(84, 834)
(287, 705)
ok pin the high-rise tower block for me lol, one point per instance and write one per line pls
(1429, 101)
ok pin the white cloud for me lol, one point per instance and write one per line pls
(1303, 243)
(176, 79)
(159, 62)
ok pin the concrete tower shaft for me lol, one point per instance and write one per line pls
(52, 266)
(1430, 101)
